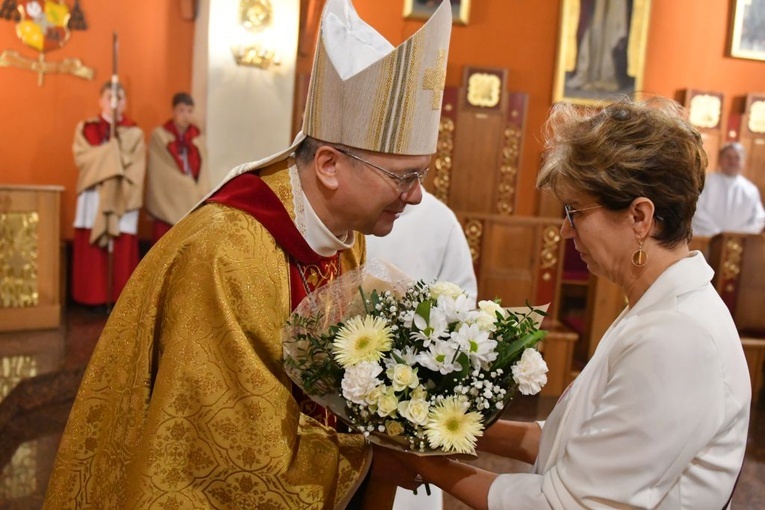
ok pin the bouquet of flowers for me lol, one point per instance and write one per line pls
(410, 364)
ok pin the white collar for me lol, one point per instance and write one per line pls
(317, 235)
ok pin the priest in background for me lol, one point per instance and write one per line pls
(730, 202)
(109, 196)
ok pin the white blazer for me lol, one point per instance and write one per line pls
(659, 416)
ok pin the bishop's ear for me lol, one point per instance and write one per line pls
(325, 161)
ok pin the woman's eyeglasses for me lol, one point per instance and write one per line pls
(404, 183)
(570, 213)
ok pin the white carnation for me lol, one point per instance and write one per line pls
(359, 380)
(530, 372)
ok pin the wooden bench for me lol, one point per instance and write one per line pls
(738, 260)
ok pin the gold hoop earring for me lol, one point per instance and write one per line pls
(639, 257)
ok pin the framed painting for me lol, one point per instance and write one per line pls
(748, 29)
(423, 9)
(601, 50)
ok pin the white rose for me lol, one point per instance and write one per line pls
(415, 410)
(387, 404)
(530, 372)
(393, 428)
(402, 377)
(447, 289)
(359, 380)
(419, 393)
(492, 308)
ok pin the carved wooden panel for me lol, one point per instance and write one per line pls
(516, 258)
(753, 140)
(705, 113)
(487, 137)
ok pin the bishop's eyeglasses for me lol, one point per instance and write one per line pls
(404, 183)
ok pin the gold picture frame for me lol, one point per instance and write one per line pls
(424, 9)
(598, 66)
(747, 39)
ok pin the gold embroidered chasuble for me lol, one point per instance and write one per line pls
(185, 403)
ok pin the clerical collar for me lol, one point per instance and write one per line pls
(317, 235)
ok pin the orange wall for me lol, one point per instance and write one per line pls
(37, 123)
(687, 41)
(686, 49)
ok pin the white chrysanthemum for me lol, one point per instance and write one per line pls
(387, 404)
(360, 380)
(361, 339)
(402, 377)
(440, 357)
(432, 329)
(408, 356)
(475, 342)
(415, 410)
(456, 309)
(530, 372)
(453, 429)
(449, 289)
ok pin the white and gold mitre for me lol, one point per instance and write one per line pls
(365, 93)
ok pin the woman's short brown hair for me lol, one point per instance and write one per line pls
(628, 150)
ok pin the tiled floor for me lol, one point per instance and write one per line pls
(32, 417)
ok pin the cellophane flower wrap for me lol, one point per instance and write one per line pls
(410, 364)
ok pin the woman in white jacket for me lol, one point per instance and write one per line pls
(659, 416)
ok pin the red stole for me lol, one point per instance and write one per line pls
(308, 270)
(182, 145)
(97, 132)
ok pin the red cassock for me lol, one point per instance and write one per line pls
(115, 170)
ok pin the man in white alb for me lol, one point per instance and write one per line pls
(730, 202)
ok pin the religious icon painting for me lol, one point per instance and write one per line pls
(423, 9)
(601, 50)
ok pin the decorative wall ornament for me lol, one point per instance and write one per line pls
(254, 50)
(484, 90)
(508, 170)
(443, 163)
(44, 25)
(756, 122)
(443, 160)
(705, 110)
(18, 259)
(474, 233)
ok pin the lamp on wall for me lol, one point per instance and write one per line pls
(255, 16)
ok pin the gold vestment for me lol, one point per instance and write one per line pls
(185, 403)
